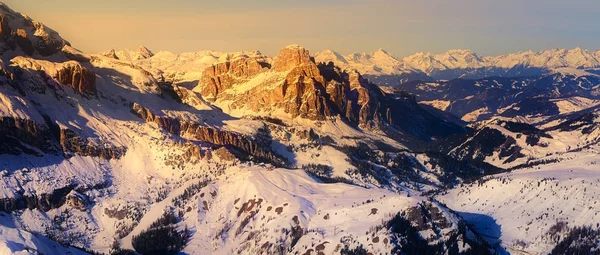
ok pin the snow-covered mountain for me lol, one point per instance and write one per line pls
(183, 69)
(528, 99)
(461, 63)
(380, 65)
(452, 59)
(242, 153)
(378, 62)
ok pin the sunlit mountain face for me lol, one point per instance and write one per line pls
(143, 151)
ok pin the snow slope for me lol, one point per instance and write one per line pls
(286, 195)
(525, 204)
(14, 240)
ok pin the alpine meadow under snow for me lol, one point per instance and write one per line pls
(136, 152)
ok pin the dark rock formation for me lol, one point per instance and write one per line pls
(80, 78)
(48, 138)
(43, 202)
(225, 154)
(14, 132)
(210, 135)
(73, 143)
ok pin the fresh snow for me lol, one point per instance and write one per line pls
(524, 204)
(572, 61)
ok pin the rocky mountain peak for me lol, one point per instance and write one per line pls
(298, 86)
(329, 55)
(290, 57)
(144, 52)
(382, 52)
(384, 59)
(110, 54)
(20, 33)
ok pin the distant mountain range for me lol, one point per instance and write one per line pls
(383, 68)
(464, 63)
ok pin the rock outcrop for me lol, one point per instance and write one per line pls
(302, 88)
(77, 200)
(291, 57)
(198, 132)
(27, 136)
(224, 75)
(144, 53)
(225, 154)
(72, 143)
(14, 132)
(43, 202)
(111, 54)
(80, 78)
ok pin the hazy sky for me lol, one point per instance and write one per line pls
(402, 27)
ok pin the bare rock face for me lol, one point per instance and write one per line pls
(43, 202)
(47, 201)
(14, 132)
(290, 57)
(307, 90)
(77, 200)
(144, 53)
(73, 143)
(300, 87)
(305, 94)
(48, 41)
(20, 37)
(198, 132)
(225, 154)
(111, 54)
(80, 78)
(49, 138)
(222, 76)
(301, 92)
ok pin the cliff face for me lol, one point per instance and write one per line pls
(196, 131)
(300, 87)
(14, 132)
(292, 83)
(291, 57)
(26, 136)
(43, 202)
(71, 143)
(80, 78)
(222, 76)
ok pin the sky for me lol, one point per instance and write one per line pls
(402, 27)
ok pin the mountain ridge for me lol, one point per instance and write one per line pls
(459, 63)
